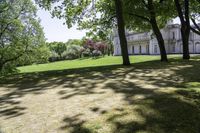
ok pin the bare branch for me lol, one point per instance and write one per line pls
(139, 16)
(179, 10)
(194, 30)
(195, 24)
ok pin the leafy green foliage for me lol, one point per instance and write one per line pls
(26, 44)
(74, 52)
(69, 50)
(57, 47)
(138, 14)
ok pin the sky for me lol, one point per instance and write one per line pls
(55, 30)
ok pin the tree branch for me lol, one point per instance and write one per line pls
(187, 19)
(16, 17)
(195, 24)
(179, 10)
(16, 57)
(145, 4)
(194, 30)
(139, 16)
(161, 1)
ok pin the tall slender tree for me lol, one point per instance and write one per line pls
(121, 31)
(156, 30)
(183, 13)
(149, 14)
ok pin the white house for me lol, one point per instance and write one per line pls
(145, 43)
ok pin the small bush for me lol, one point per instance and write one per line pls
(86, 53)
(96, 53)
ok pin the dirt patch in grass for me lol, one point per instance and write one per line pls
(147, 97)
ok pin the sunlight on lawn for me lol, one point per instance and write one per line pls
(90, 62)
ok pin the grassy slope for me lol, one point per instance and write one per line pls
(81, 63)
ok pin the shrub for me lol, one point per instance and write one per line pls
(54, 56)
(96, 53)
(86, 53)
(73, 52)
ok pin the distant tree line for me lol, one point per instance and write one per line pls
(75, 48)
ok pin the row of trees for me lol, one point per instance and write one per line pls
(74, 49)
(138, 15)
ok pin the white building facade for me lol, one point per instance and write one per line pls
(145, 43)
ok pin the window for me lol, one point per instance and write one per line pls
(155, 49)
(197, 45)
(173, 48)
(147, 49)
(132, 49)
(140, 49)
(173, 35)
(191, 36)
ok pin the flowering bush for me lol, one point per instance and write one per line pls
(95, 46)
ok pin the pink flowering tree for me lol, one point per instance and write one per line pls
(90, 44)
(101, 46)
(96, 48)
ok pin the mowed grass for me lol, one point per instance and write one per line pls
(146, 97)
(82, 63)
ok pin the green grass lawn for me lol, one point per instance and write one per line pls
(90, 62)
(101, 96)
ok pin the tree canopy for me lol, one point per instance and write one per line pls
(22, 37)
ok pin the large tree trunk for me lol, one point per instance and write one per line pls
(156, 31)
(1, 67)
(121, 32)
(185, 26)
(160, 40)
(185, 33)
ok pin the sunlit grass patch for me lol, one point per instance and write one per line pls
(88, 62)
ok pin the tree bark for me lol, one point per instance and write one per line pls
(121, 32)
(156, 31)
(1, 67)
(160, 40)
(185, 33)
(185, 26)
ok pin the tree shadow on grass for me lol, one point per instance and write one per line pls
(140, 84)
(75, 125)
(176, 112)
(160, 112)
